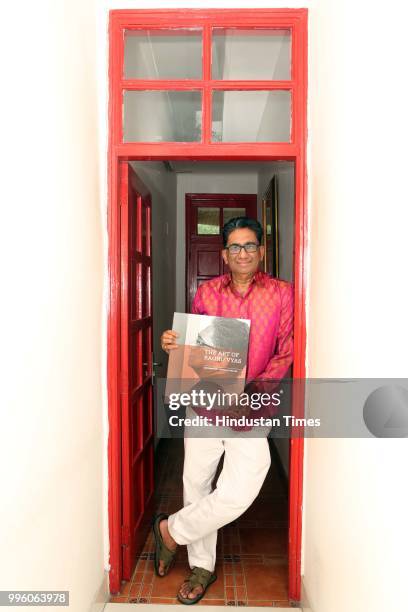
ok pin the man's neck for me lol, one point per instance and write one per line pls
(241, 282)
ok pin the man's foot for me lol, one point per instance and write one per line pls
(195, 586)
(167, 541)
(186, 592)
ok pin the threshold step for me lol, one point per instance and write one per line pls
(129, 607)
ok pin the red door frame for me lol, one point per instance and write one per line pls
(296, 20)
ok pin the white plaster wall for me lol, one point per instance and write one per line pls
(52, 508)
(217, 182)
(355, 498)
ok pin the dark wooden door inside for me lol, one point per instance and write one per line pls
(205, 217)
(136, 365)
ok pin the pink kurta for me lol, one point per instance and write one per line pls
(268, 304)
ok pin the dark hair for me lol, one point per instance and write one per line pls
(240, 223)
(226, 333)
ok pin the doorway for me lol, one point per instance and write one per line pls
(204, 129)
(255, 547)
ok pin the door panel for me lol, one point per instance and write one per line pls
(205, 217)
(136, 366)
(208, 262)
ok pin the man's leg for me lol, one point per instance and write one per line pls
(201, 457)
(246, 464)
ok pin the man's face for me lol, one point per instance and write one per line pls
(243, 262)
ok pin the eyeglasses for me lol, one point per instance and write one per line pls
(235, 249)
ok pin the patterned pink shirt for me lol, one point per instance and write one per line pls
(268, 303)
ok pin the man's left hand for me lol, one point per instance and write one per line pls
(237, 411)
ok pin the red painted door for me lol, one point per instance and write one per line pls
(205, 217)
(136, 365)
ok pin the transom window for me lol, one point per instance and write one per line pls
(208, 84)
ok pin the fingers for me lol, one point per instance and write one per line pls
(237, 411)
(168, 340)
(232, 412)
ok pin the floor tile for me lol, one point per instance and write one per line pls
(164, 600)
(125, 588)
(266, 583)
(262, 540)
(252, 560)
(138, 577)
(170, 584)
(135, 590)
(229, 593)
(117, 599)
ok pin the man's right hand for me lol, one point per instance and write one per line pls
(168, 340)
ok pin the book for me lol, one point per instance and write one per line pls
(212, 355)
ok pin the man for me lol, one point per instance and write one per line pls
(244, 293)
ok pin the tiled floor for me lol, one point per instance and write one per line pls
(252, 560)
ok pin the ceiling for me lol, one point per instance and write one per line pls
(221, 167)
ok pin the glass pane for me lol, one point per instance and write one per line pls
(163, 54)
(251, 116)
(162, 116)
(208, 220)
(268, 220)
(251, 54)
(230, 213)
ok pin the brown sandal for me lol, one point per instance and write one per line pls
(198, 576)
(161, 553)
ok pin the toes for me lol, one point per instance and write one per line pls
(194, 592)
(185, 589)
(162, 525)
(188, 593)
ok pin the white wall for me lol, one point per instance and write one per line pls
(52, 229)
(217, 182)
(355, 497)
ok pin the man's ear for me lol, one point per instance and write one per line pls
(261, 252)
(224, 254)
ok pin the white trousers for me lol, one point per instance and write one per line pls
(246, 463)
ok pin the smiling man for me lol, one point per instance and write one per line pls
(244, 293)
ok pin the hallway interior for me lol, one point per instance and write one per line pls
(252, 564)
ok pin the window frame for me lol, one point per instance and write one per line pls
(292, 20)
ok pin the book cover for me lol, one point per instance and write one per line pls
(212, 354)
